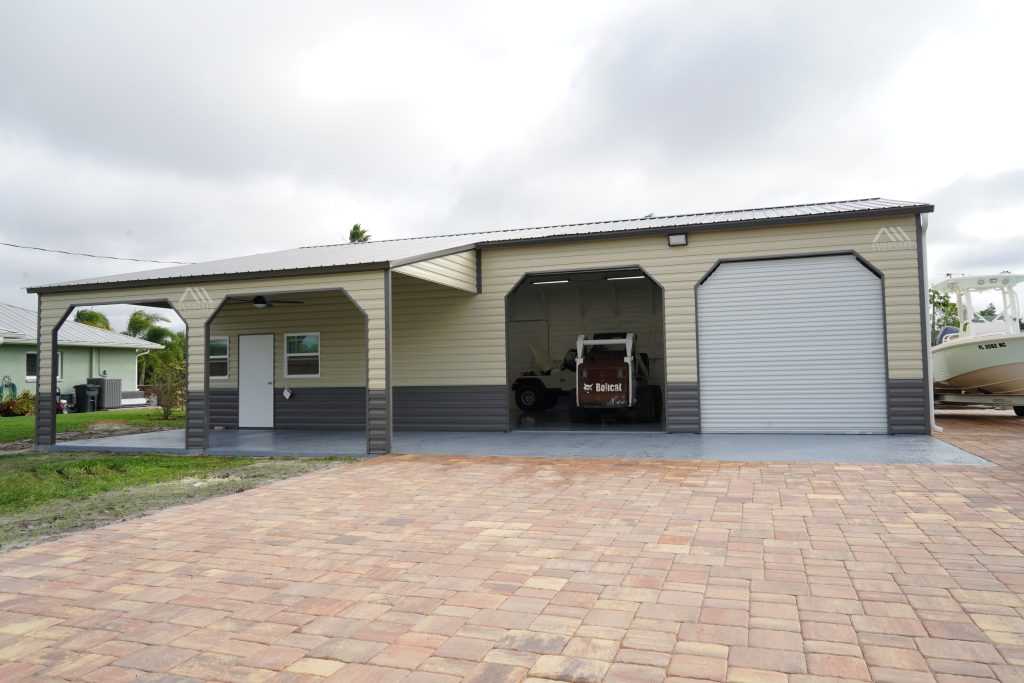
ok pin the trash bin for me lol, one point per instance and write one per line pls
(86, 398)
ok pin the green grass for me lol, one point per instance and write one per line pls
(23, 428)
(26, 482)
(43, 495)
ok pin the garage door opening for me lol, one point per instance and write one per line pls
(792, 345)
(619, 312)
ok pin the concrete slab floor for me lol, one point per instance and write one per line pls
(603, 444)
(248, 442)
(660, 446)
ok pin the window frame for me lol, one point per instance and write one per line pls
(317, 355)
(35, 377)
(226, 357)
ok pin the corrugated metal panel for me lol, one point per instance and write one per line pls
(195, 412)
(908, 407)
(321, 408)
(453, 270)
(378, 419)
(682, 407)
(20, 323)
(792, 346)
(439, 336)
(452, 408)
(403, 251)
(224, 408)
(45, 419)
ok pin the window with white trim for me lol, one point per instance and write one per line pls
(302, 354)
(219, 355)
(32, 366)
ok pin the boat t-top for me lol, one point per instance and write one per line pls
(984, 356)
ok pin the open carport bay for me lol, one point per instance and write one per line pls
(548, 311)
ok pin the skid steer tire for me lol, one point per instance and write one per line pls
(531, 398)
(648, 404)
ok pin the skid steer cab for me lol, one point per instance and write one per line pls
(613, 380)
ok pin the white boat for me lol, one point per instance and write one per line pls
(985, 355)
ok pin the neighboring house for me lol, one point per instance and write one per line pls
(794, 319)
(83, 352)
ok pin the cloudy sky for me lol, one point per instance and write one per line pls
(197, 130)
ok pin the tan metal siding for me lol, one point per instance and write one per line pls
(365, 288)
(342, 331)
(439, 336)
(454, 270)
(461, 338)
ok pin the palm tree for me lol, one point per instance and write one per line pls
(146, 325)
(357, 234)
(92, 318)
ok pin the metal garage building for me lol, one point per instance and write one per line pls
(794, 319)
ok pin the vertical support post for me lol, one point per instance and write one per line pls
(196, 434)
(47, 325)
(379, 422)
(921, 229)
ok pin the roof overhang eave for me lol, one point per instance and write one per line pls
(248, 275)
(861, 214)
(88, 345)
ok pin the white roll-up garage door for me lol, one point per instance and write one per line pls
(793, 345)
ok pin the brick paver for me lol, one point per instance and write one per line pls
(436, 569)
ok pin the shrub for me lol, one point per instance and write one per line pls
(24, 404)
(168, 386)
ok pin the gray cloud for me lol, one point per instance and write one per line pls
(971, 194)
(191, 131)
(733, 105)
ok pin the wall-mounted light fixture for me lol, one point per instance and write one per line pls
(627, 277)
(551, 282)
(677, 240)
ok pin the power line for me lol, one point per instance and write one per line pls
(78, 253)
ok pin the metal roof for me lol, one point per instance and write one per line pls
(20, 325)
(395, 252)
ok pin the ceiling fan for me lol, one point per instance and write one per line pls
(261, 301)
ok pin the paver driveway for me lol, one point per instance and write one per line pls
(422, 569)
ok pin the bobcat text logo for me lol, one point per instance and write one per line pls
(892, 238)
(609, 387)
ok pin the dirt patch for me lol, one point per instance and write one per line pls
(61, 517)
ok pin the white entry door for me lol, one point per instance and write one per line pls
(792, 345)
(256, 380)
